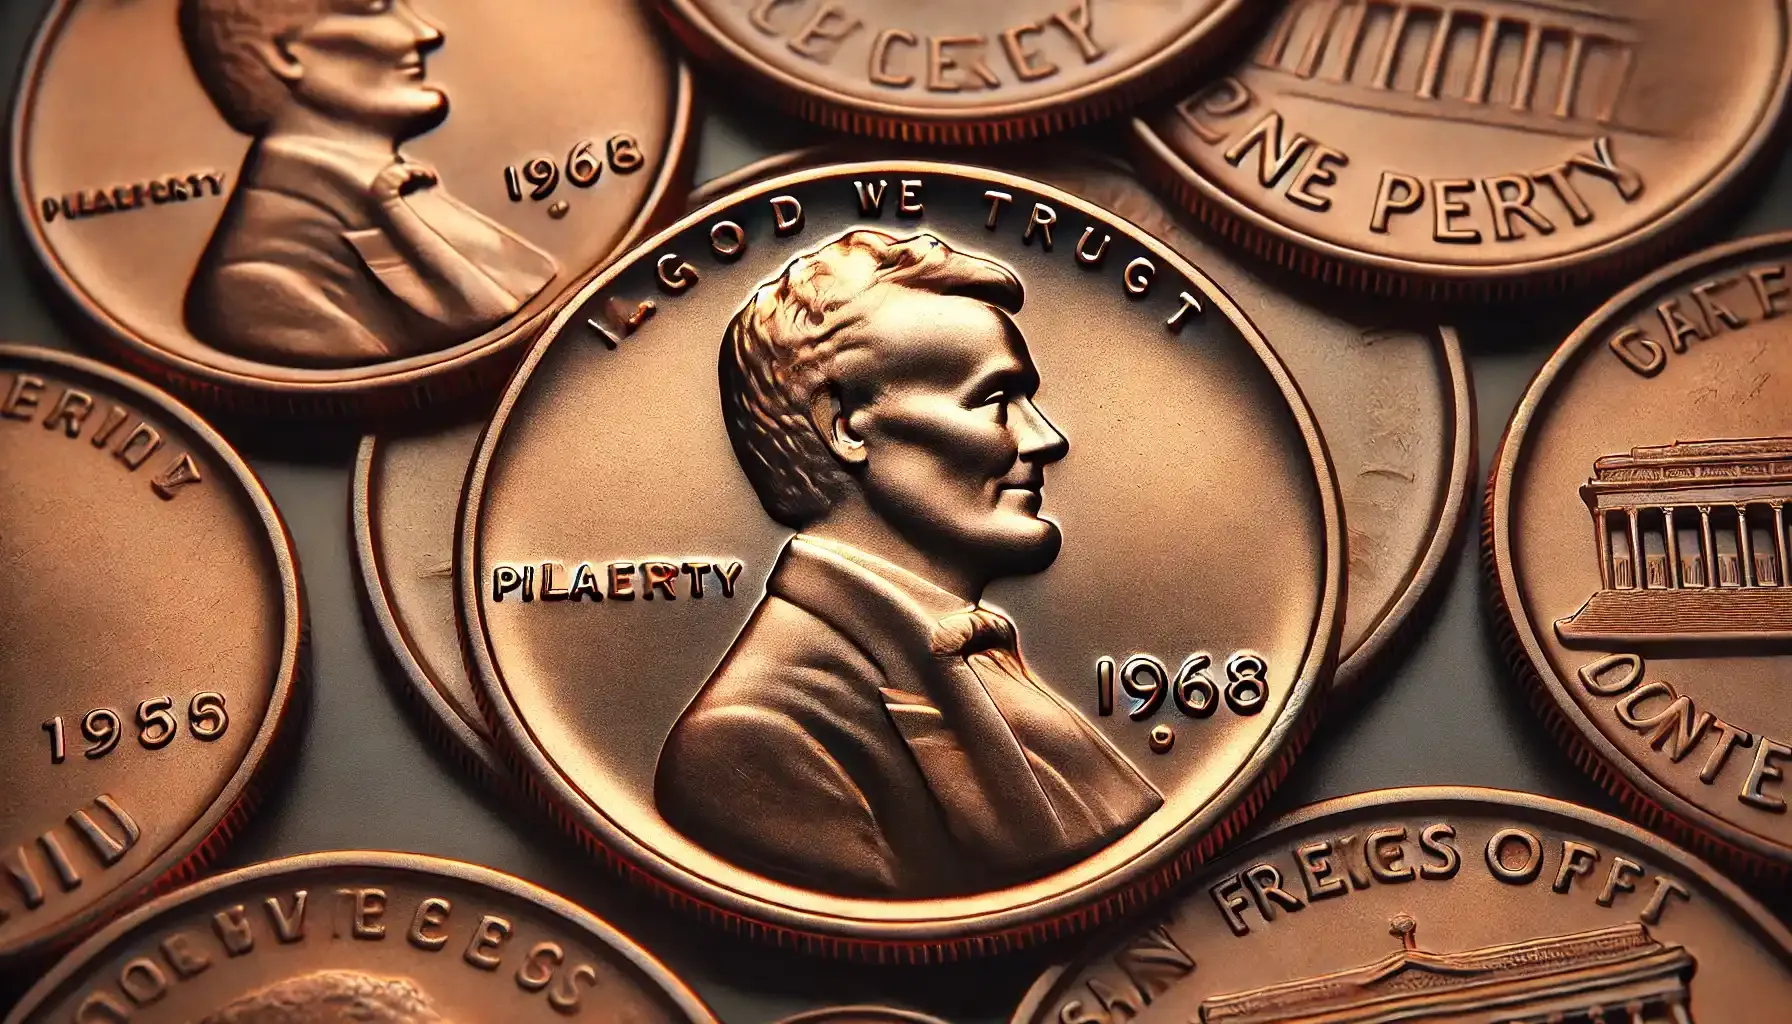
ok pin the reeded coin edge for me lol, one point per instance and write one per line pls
(1649, 801)
(1336, 264)
(1411, 799)
(437, 382)
(371, 860)
(1175, 62)
(276, 738)
(418, 689)
(924, 939)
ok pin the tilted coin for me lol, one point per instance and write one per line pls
(1638, 536)
(1438, 904)
(150, 633)
(956, 73)
(903, 560)
(338, 207)
(406, 490)
(1392, 399)
(362, 937)
(1477, 149)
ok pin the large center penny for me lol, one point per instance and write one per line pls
(883, 558)
(1482, 148)
(150, 627)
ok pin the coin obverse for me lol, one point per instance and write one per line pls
(361, 936)
(150, 636)
(957, 73)
(1479, 149)
(1437, 904)
(339, 209)
(1638, 537)
(902, 559)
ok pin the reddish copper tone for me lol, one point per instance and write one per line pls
(957, 72)
(861, 1015)
(339, 209)
(361, 936)
(1437, 904)
(1638, 534)
(150, 629)
(1484, 149)
(941, 612)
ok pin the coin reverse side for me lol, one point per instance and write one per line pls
(1638, 533)
(338, 208)
(883, 559)
(1393, 400)
(1480, 149)
(1437, 904)
(375, 936)
(957, 73)
(150, 628)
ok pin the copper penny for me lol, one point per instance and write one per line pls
(150, 628)
(1477, 149)
(406, 490)
(362, 937)
(1437, 904)
(356, 207)
(1638, 535)
(956, 72)
(755, 624)
(1393, 400)
(861, 1015)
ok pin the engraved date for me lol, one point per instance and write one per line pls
(538, 177)
(156, 725)
(1147, 682)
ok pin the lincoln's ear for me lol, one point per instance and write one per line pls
(828, 415)
(278, 56)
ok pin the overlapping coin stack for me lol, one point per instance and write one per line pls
(848, 511)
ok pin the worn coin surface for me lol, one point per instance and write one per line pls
(363, 937)
(150, 634)
(1476, 149)
(338, 208)
(1637, 531)
(902, 560)
(1437, 904)
(947, 72)
(1392, 399)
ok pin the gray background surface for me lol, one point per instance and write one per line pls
(1442, 711)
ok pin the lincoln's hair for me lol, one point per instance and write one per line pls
(330, 996)
(780, 349)
(222, 38)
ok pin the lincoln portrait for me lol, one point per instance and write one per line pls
(874, 731)
(331, 997)
(335, 249)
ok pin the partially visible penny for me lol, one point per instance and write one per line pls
(364, 937)
(1638, 532)
(150, 629)
(1437, 904)
(878, 562)
(339, 208)
(1392, 398)
(406, 490)
(957, 72)
(861, 1015)
(1478, 149)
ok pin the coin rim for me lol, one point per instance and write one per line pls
(914, 937)
(1337, 263)
(444, 380)
(373, 860)
(418, 688)
(1407, 799)
(195, 846)
(1641, 794)
(1177, 60)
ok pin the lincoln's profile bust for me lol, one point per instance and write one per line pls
(332, 997)
(873, 730)
(334, 248)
